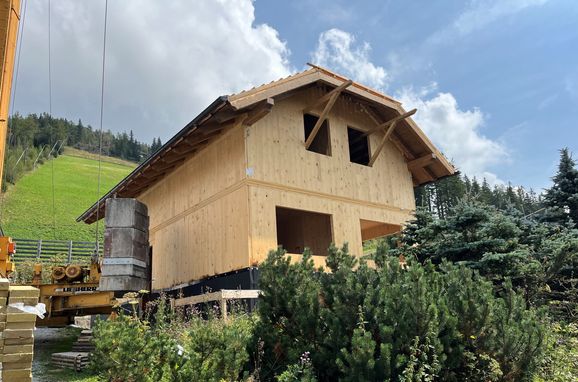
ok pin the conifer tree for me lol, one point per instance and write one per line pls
(562, 198)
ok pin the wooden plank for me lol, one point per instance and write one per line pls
(225, 294)
(421, 161)
(382, 144)
(321, 119)
(390, 122)
(260, 111)
(401, 147)
(328, 96)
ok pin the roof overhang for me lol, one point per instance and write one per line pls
(424, 160)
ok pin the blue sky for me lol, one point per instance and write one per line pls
(517, 62)
(495, 81)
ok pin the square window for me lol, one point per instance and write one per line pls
(322, 142)
(297, 230)
(358, 146)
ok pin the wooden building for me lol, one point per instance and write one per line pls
(304, 161)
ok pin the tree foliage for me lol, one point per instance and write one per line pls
(40, 130)
(540, 259)
(393, 323)
(562, 198)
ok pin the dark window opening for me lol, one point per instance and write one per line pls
(297, 230)
(322, 143)
(358, 146)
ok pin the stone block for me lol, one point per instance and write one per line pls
(126, 212)
(132, 270)
(4, 284)
(18, 357)
(20, 325)
(18, 341)
(122, 283)
(20, 317)
(18, 333)
(17, 349)
(126, 242)
(24, 291)
(17, 375)
(25, 300)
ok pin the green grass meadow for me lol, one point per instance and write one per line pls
(27, 209)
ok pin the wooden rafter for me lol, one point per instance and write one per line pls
(401, 147)
(390, 127)
(390, 122)
(326, 97)
(421, 161)
(382, 143)
(259, 112)
(334, 95)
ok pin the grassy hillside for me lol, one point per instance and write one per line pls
(27, 207)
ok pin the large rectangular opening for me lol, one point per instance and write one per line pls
(372, 231)
(358, 146)
(321, 143)
(297, 230)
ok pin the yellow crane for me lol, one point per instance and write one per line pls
(73, 288)
(9, 21)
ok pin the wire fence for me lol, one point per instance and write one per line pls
(45, 250)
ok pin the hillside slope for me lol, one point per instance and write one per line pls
(27, 213)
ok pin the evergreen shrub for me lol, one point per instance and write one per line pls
(393, 322)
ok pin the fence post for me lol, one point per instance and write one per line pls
(69, 251)
(39, 249)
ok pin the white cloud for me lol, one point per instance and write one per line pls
(456, 132)
(336, 49)
(166, 61)
(480, 13)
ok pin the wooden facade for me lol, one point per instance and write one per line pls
(252, 184)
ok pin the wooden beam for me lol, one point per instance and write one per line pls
(421, 161)
(328, 96)
(334, 95)
(227, 294)
(167, 166)
(259, 112)
(401, 147)
(393, 120)
(421, 175)
(382, 143)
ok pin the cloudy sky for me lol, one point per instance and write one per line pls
(495, 81)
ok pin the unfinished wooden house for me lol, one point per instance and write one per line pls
(304, 161)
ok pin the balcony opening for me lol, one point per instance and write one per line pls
(358, 146)
(297, 229)
(372, 231)
(322, 142)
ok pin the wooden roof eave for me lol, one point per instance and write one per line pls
(278, 88)
(122, 188)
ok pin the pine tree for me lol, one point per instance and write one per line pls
(562, 198)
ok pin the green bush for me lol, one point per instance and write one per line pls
(393, 323)
(173, 349)
(560, 363)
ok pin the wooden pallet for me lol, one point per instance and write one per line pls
(71, 360)
(84, 342)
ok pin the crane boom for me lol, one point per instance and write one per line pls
(9, 20)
